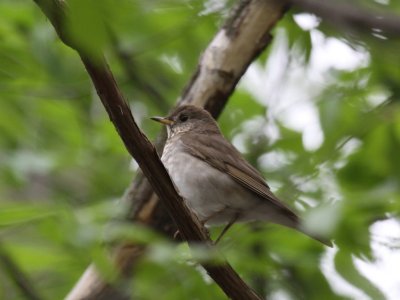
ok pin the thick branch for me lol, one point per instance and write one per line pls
(241, 39)
(146, 156)
(351, 15)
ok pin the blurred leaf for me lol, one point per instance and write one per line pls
(344, 264)
(86, 25)
(12, 214)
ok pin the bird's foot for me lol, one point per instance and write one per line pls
(231, 222)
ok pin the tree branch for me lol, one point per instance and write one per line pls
(351, 15)
(18, 276)
(144, 152)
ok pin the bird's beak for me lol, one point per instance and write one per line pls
(162, 120)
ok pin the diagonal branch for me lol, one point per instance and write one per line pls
(144, 152)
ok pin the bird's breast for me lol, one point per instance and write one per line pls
(212, 194)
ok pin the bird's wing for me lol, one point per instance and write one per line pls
(221, 154)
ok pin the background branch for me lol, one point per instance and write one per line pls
(18, 276)
(135, 79)
(351, 15)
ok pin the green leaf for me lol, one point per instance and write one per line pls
(86, 26)
(12, 214)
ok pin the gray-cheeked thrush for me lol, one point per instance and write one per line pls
(218, 184)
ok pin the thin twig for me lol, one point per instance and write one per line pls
(20, 279)
(135, 79)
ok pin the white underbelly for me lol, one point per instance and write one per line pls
(214, 196)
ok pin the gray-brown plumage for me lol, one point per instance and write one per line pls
(219, 185)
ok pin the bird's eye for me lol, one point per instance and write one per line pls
(183, 118)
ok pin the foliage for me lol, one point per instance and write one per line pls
(63, 167)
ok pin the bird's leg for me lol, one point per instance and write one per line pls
(231, 222)
(215, 213)
(177, 234)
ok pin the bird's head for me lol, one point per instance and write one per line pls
(187, 118)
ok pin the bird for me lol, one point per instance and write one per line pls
(217, 183)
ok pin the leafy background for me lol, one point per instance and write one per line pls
(318, 114)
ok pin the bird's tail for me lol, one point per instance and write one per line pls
(291, 220)
(323, 240)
